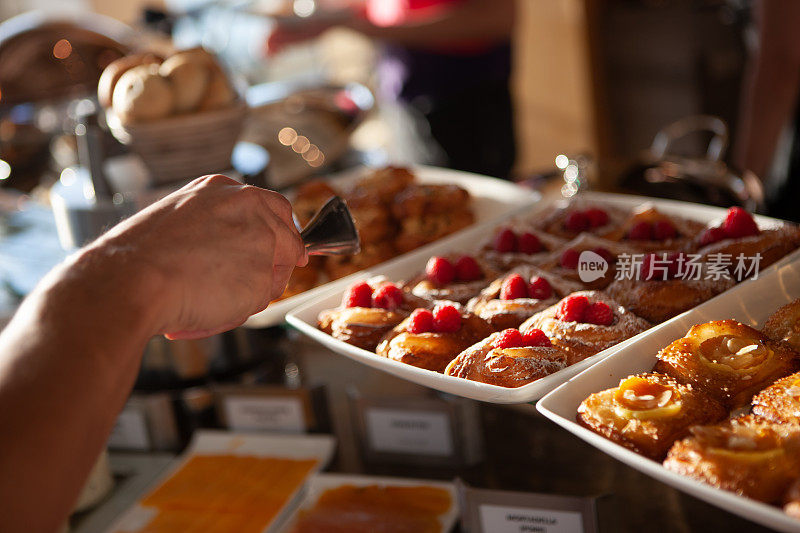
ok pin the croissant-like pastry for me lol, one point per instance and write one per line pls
(418, 231)
(507, 302)
(453, 278)
(658, 297)
(385, 183)
(746, 455)
(304, 278)
(585, 323)
(780, 402)
(648, 412)
(311, 196)
(784, 325)
(369, 310)
(651, 230)
(422, 200)
(339, 266)
(433, 345)
(508, 364)
(728, 360)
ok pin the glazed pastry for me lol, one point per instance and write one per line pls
(430, 340)
(650, 230)
(647, 412)
(739, 234)
(564, 262)
(728, 360)
(509, 300)
(385, 183)
(780, 402)
(519, 244)
(665, 288)
(419, 200)
(509, 358)
(745, 455)
(784, 325)
(585, 323)
(369, 310)
(578, 217)
(454, 278)
(418, 231)
(371, 217)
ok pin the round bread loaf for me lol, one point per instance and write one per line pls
(189, 78)
(115, 70)
(141, 95)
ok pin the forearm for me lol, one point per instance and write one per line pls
(67, 363)
(477, 20)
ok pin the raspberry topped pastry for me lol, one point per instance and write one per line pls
(510, 300)
(746, 455)
(648, 412)
(585, 323)
(666, 286)
(431, 339)
(784, 325)
(454, 278)
(369, 309)
(579, 217)
(509, 358)
(728, 360)
(651, 230)
(739, 234)
(519, 244)
(564, 262)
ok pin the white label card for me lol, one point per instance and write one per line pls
(413, 432)
(130, 431)
(265, 413)
(502, 519)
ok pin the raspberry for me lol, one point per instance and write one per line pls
(358, 295)
(605, 254)
(505, 241)
(446, 319)
(572, 308)
(540, 288)
(576, 221)
(712, 235)
(529, 244)
(467, 269)
(535, 337)
(569, 259)
(421, 321)
(508, 338)
(388, 297)
(513, 287)
(597, 217)
(663, 230)
(641, 231)
(739, 223)
(440, 270)
(599, 313)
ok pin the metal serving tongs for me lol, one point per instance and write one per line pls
(331, 231)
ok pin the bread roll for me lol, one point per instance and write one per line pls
(141, 95)
(115, 69)
(219, 92)
(189, 79)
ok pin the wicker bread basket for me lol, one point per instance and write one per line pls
(184, 146)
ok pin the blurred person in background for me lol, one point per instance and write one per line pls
(769, 103)
(446, 61)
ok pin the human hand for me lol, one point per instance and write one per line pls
(211, 254)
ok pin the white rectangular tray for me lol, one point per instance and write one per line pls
(750, 303)
(209, 442)
(492, 199)
(322, 482)
(304, 317)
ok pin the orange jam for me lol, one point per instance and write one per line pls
(225, 493)
(374, 509)
(639, 394)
